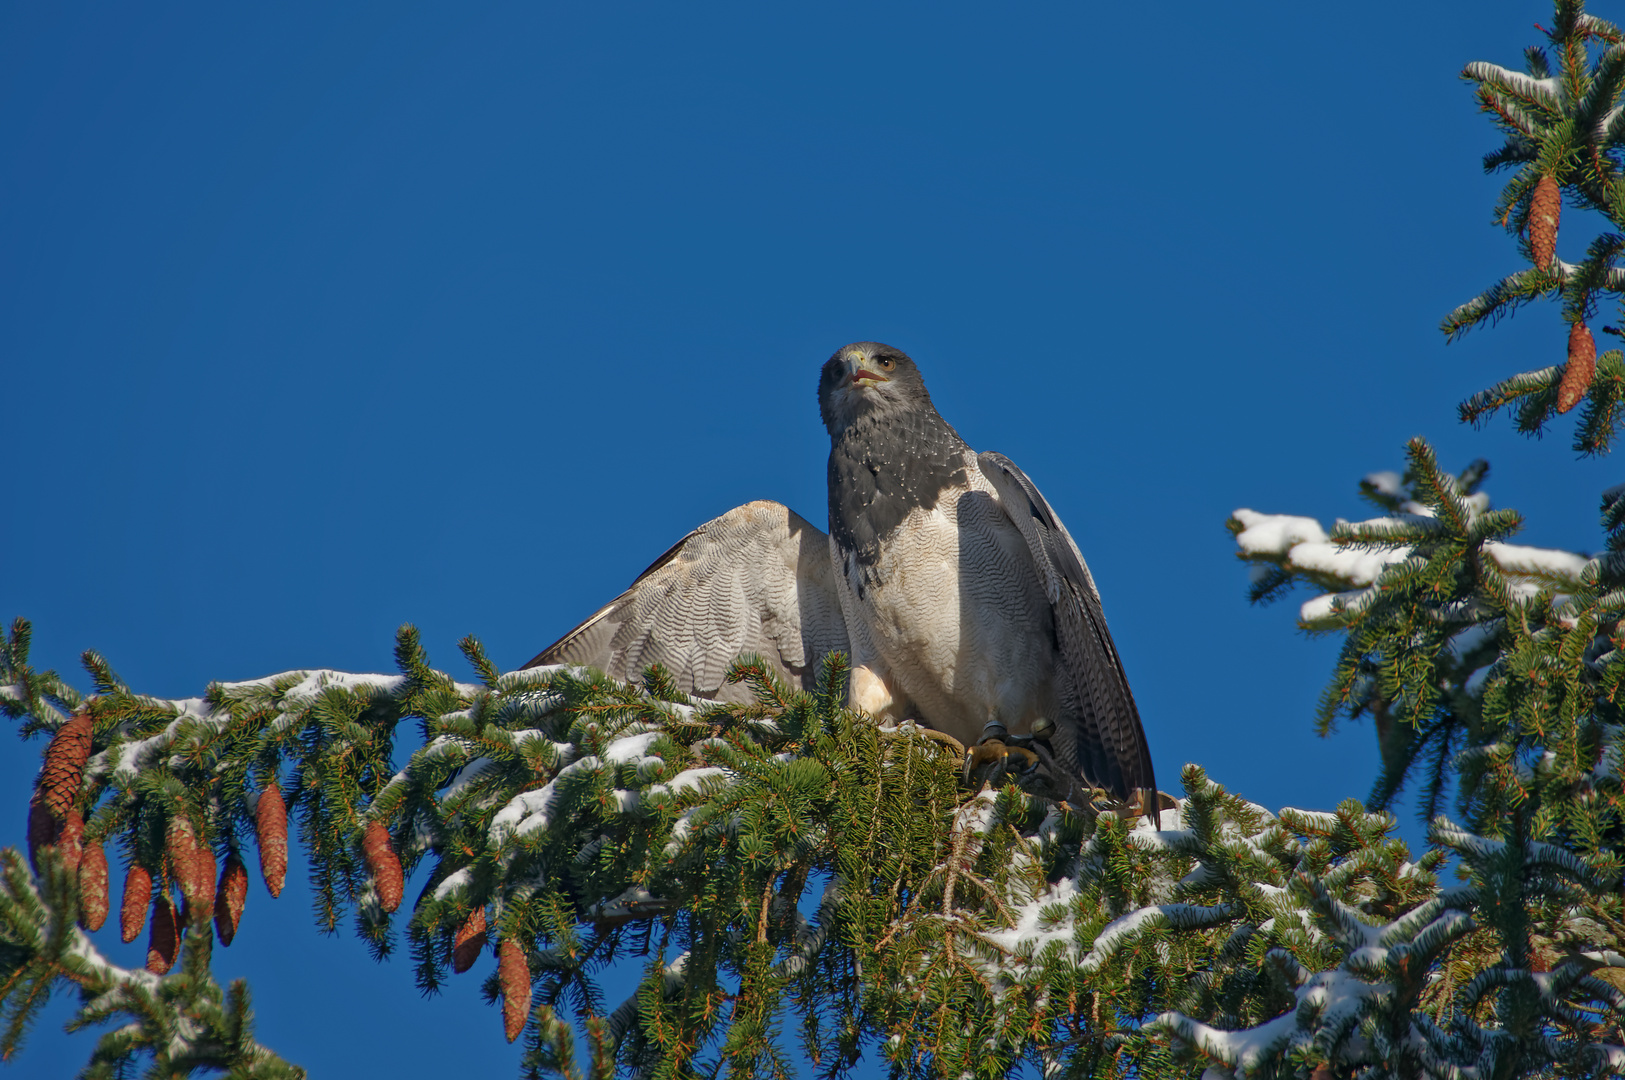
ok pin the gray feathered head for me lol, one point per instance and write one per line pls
(868, 379)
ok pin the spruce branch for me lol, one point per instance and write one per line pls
(570, 819)
(1564, 132)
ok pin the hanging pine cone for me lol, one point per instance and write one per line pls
(93, 889)
(271, 829)
(137, 894)
(384, 865)
(180, 844)
(513, 972)
(1545, 207)
(465, 948)
(43, 827)
(65, 765)
(229, 899)
(1582, 367)
(70, 840)
(203, 870)
(164, 942)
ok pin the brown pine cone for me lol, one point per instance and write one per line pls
(43, 827)
(93, 888)
(470, 939)
(70, 840)
(384, 865)
(203, 870)
(271, 829)
(513, 972)
(1545, 207)
(65, 764)
(180, 844)
(164, 943)
(137, 894)
(230, 898)
(1581, 369)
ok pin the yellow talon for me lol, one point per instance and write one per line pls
(990, 751)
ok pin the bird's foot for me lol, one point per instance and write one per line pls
(1029, 760)
(999, 756)
(1010, 758)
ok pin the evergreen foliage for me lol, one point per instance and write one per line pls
(1490, 672)
(784, 867)
(804, 888)
(1564, 129)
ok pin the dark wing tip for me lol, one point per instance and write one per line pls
(1110, 744)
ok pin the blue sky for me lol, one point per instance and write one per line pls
(318, 320)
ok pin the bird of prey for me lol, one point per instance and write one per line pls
(947, 578)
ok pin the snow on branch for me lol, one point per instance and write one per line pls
(1350, 564)
(1543, 93)
(789, 850)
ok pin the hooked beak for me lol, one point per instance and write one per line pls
(858, 369)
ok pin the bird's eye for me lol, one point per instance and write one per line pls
(886, 363)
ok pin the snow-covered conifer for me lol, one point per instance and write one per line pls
(804, 887)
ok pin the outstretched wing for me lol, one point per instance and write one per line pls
(1099, 734)
(757, 579)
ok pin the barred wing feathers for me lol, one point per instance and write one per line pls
(1099, 732)
(757, 579)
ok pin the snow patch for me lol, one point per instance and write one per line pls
(526, 813)
(467, 775)
(687, 780)
(1385, 482)
(1275, 534)
(633, 750)
(1033, 930)
(1537, 562)
(454, 883)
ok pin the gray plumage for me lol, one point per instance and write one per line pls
(949, 580)
(887, 457)
(757, 579)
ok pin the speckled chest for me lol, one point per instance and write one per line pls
(883, 470)
(950, 604)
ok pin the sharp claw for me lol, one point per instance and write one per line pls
(1016, 760)
(983, 753)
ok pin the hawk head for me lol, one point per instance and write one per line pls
(868, 379)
